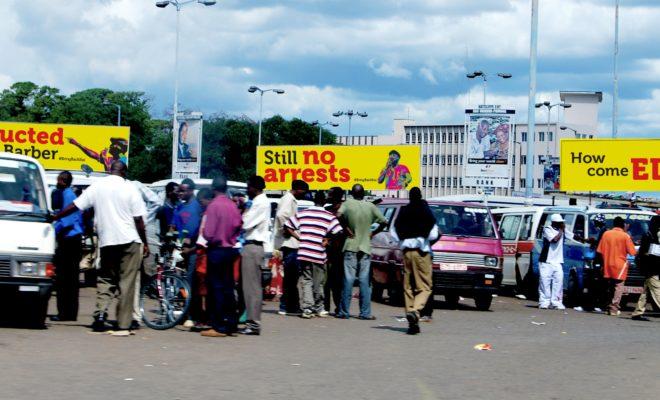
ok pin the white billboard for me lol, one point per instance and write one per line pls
(187, 146)
(488, 147)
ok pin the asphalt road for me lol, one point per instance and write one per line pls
(574, 355)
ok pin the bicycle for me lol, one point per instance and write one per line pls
(165, 297)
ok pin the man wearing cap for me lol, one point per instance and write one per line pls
(551, 271)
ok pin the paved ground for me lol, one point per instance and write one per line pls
(573, 356)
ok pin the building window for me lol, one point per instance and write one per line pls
(456, 137)
(523, 135)
(426, 137)
(513, 159)
(541, 159)
(437, 159)
(462, 137)
(455, 182)
(541, 136)
(523, 183)
(549, 136)
(449, 139)
(456, 159)
(442, 182)
(443, 160)
(424, 181)
(461, 159)
(436, 181)
(424, 160)
(407, 137)
(444, 137)
(538, 182)
(448, 160)
(513, 182)
(460, 182)
(523, 159)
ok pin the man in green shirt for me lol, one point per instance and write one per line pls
(358, 216)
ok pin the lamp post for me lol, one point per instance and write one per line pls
(550, 106)
(615, 91)
(575, 132)
(175, 109)
(108, 103)
(254, 89)
(321, 125)
(350, 114)
(533, 41)
(484, 76)
(519, 161)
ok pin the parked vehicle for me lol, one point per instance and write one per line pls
(467, 260)
(580, 269)
(28, 240)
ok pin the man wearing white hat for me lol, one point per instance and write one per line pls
(551, 272)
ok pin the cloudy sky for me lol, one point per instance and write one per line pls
(390, 58)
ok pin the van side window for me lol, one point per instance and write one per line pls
(509, 227)
(539, 231)
(579, 227)
(526, 229)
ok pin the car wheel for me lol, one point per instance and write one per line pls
(377, 290)
(483, 301)
(452, 300)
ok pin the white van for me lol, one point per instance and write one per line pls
(27, 240)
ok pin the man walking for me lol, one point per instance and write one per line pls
(415, 230)
(648, 260)
(614, 247)
(288, 245)
(312, 227)
(255, 224)
(222, 226)
(119, 212)
(187, 218)
(358, 215)
(551, 260)
(69, 232)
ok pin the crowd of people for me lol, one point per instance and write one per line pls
(324, 249)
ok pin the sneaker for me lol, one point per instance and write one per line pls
(281, 312)
(188, 324)
(342, 316)
(559, 307)
(598, 309)
(413, 330)
(412, 317)
(249, 332)
(369, 318)
(135, 325)
(307, 314)
(426, 318)
(543, 306)
(213, 333)
(99, 323)
(122, 333)
(322, 314)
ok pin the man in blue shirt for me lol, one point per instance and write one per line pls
(187, 219)
(69, 232)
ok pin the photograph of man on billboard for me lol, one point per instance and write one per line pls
(187, 141)
(396, 176)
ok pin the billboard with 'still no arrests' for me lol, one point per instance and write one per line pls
(323, 167)
(67, 147)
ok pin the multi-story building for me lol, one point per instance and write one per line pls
(443, 146)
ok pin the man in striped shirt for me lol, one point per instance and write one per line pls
(312, 228)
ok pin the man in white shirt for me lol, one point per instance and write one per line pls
(479, 142)
(119, 212)
(256, 221)
(288, 245)
(551, 260)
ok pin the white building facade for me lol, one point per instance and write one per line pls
(443, 147)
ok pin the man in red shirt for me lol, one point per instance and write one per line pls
(614, 247)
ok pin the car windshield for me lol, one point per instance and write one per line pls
(463, 221)
(21, 188)
(638, 224)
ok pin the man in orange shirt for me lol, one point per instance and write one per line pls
(614, 247)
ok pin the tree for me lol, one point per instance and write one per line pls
(29, 102)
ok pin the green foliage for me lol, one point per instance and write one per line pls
(229, 143)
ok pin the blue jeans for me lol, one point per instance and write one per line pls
(356, 265)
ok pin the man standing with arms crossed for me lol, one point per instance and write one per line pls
(614, 247)
(255, 223)
(288, 245)
(358, 215)
(119, 212)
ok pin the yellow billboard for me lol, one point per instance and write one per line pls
(66, 147)
(610, 165)
(322, 167)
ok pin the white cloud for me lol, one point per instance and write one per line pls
(427, 73)
(388, 70)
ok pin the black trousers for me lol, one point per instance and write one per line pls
(220, 285)
(334, 285)
(67, 276)
(290, 300)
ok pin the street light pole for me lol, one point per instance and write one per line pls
(254, 89)
(107, 103)
(615, 92)
(575, 132)
(529, 180)
(484, 77)
(550, 106)
(320, 125)
(350, 114)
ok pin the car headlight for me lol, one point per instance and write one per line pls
(36, 269)
(490, 261)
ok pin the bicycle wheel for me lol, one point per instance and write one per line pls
(166, 306)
